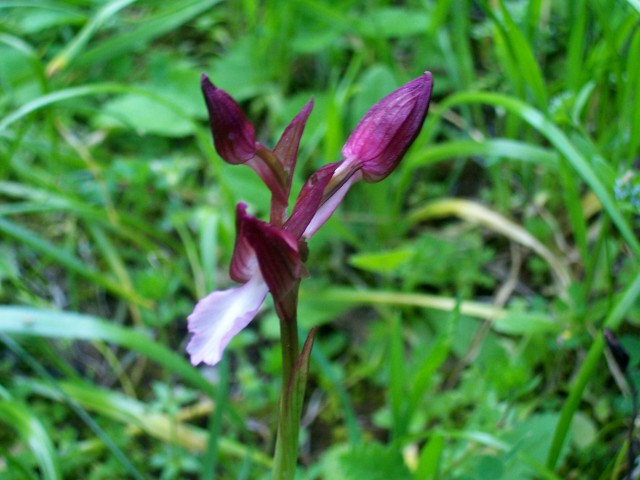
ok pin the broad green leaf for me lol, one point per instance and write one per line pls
(144, 116)
(382, 262)
(394, 22)
(583, 431)
(373, 461)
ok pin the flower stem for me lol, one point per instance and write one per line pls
(286, 452)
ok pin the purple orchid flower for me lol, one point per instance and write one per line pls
(269, 257)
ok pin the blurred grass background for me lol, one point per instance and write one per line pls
(460, 302)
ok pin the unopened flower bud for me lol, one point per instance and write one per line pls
(385, 133)
(233, 134)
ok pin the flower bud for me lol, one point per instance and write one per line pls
(233, 135)
(384, 134)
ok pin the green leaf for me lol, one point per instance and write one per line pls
(530, 440)
(68, 260)
(471, 309)
(143, 115)
(72, 49)
(522, 56)
(583, 431)
(525, 323)
(397, 381)
(385, 262)
(635, 4)
(588, 369)
(22, 419)
(394, 22)
(373, 462)
(429, 460)
(491, 147)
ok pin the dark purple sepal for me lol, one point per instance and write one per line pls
(287, 148)
(233, 134)
(275, 250)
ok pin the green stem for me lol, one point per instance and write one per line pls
(286, 452)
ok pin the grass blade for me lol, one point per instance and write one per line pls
(32, 432)
(475, 212)
(508, 321)
(74, 326)
(70, 261)
(137, 416)
(67, 55)
(588, 369)
(164, 21)
(559, 140)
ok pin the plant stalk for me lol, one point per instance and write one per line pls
(286, 451)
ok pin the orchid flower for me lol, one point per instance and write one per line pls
(268, 257)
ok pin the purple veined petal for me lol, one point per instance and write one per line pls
(244, 263)
(277, 254)
(388, 129)
(330, 205)
(219, 316)
(233, 134)
(310, 199)
(320, 196)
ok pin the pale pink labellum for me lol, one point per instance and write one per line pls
(219, 316)
(266, 258)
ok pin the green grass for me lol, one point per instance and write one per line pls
(460, 303)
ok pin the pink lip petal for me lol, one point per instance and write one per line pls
(219, 316)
